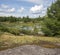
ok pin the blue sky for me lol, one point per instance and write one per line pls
(20, 8)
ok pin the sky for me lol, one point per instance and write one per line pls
(20, 8)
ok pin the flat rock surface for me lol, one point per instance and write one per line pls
(30, 50)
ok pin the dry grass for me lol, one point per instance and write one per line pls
(9, 40)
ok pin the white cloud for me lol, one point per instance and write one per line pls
(35, 15)
(36, 9)
(4, 6)
(35, 1)
(1, 10)
(21, 9)
(11, 10)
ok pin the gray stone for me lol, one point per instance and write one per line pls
(30, 50)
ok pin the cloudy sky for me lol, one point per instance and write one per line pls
(31, 8)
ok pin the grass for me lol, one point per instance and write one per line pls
(9, 41)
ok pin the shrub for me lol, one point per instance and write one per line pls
(14, 31)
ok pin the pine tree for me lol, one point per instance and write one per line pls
(52, 22)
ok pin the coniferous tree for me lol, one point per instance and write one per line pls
(52, 22)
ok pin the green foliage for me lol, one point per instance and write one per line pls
(14, 28)
(19, 19)
(26, 32)
(9, 19)
(35, 31)
(14, 31)
(54, 10)
(3, 28)
(26, 19)
(51, 25)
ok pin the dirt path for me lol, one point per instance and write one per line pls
(30, 50)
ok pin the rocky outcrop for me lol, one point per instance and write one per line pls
(30, 50)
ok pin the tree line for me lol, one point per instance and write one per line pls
(16, 19)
